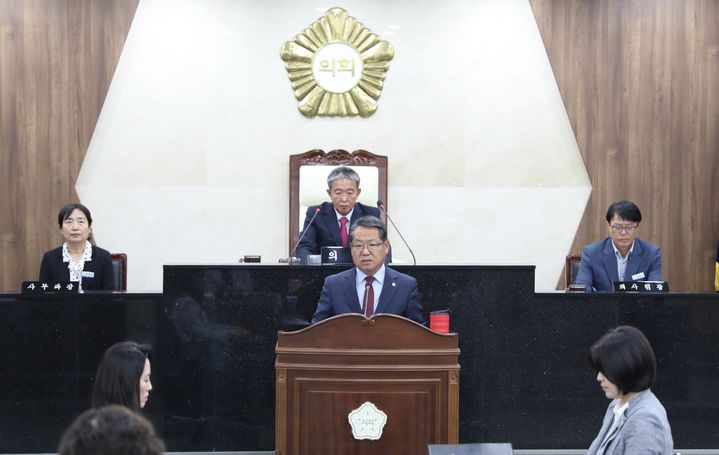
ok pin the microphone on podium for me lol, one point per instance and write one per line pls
(292, 255)
(380, 204)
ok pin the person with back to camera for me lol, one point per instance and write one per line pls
(635, 422)
(123, 376)
(370, 286)
(331, 226)
(77, 259)
(110, 430)
(622, 256)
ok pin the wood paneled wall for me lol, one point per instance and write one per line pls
(640, 81)
(57, 58)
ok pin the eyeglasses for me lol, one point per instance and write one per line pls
(617, 228)
(371, 247)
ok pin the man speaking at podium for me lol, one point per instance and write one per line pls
(370, 287)
(331, 226)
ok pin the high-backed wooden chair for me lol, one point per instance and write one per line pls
(308, 181)
(119, 269)
(571, 269)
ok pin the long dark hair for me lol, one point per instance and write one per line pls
(118, 375)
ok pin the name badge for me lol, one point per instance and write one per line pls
(87, 274)
(638, 276)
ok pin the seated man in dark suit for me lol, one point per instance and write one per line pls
(622, 256)
(369, 287)
(331, 227)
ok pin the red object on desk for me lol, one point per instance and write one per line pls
(439, 322)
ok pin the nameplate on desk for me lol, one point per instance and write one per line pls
(641, 286)
(42, 287)
(332, 255)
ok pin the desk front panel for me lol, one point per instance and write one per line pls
(524, 376)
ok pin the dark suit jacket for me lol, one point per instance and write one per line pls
(325, 229)
(598, 269)
(399, 296)
(644, 428)
(53, 269)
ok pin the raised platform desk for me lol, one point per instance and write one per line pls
(524, 376)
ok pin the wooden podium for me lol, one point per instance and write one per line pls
(326, 371)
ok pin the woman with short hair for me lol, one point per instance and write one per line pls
(77, 259)
(635, 422)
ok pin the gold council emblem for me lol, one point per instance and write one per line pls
(337, 66)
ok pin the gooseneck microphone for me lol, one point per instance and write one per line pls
(317, 211)
(380, 204)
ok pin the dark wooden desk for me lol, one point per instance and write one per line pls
(349, 364)
(524, 375)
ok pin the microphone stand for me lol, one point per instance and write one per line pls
(380, 204)
(295, 260)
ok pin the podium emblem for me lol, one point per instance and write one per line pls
(337, 66)
(367, 422)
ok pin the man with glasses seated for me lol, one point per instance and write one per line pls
(370, 287)
(622, 256)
